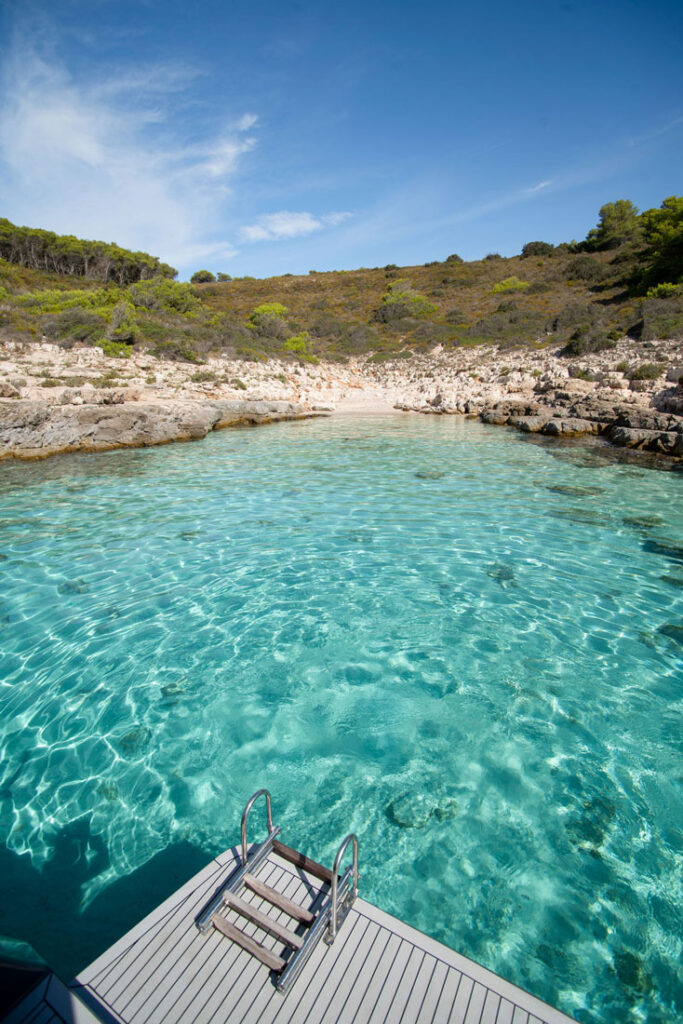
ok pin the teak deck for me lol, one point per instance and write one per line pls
(378, 969)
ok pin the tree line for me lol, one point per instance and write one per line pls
(66, 254)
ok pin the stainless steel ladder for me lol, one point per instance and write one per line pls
(324, 923)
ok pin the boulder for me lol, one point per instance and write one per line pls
(570, 427)
(529, 424)
(665, 442)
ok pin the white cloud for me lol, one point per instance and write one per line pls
(538, 188)
(103, 159)
(287, 224)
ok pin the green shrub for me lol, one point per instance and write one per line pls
(587, 339)
(162, 294)
(122, 329)
(401, 300)
(454, 258)
(239, 385)
(660, 318)
(115, 348)
(510, 284)
(386, 357)
(202, 277)
(73, 326)
(537, 249)
(665, 290)
(622, 366)
(202, 377)
(492, 256)
(585, 268)
(647, 371)
(580, 373)
(300, 345)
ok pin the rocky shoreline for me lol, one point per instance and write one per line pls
(36, 430)
(52, 400)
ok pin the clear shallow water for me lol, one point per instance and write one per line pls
(400, 628)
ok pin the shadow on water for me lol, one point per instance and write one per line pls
(45, 906)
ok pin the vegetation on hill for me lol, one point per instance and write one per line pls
(65, 254)
(625, 278)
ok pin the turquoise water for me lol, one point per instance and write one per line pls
(463, 646)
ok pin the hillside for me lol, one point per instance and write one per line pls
(623, 280)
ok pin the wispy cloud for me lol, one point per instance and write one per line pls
(539, 188)
(287, 224)
(103, 159)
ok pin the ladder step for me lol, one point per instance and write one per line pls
(262, 920)
(278, 900)
(266, 956)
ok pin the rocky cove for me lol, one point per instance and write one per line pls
(52, 400)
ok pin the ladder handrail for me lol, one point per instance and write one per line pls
(351, 838)
(245, 815)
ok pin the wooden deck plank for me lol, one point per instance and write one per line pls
(379, 1009)
(302, 861)
(223, 967)
(505, 1012)
(413, 1003)
(351, 990)
(278, 900)
(245, 909)
(199, 994)
(432, 994)
(153, 947)
(378, 977)
(253, 983)
(344, 966)
(520, 1016)
(266, 956)
(326, 981)
(201, 885)
(489, 1013)
(185, 954)
(447, 997)
(462, 1000)
(240, 989)
(405, 985)
(476, 1004)
(265, 1003)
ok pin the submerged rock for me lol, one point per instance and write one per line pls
(502, 572)
(643, 522)
(674, 631)
(414, 810)
(668, 548)
(577, 492)
(429, 474)
(135, 740)
(73, 587)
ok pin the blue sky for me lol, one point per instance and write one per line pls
(263, 138)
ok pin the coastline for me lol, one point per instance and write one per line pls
(54, 400)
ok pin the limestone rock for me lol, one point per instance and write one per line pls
(33, 430)
(529, 424)
(570, 427)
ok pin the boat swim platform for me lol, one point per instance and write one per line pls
(377, 968)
